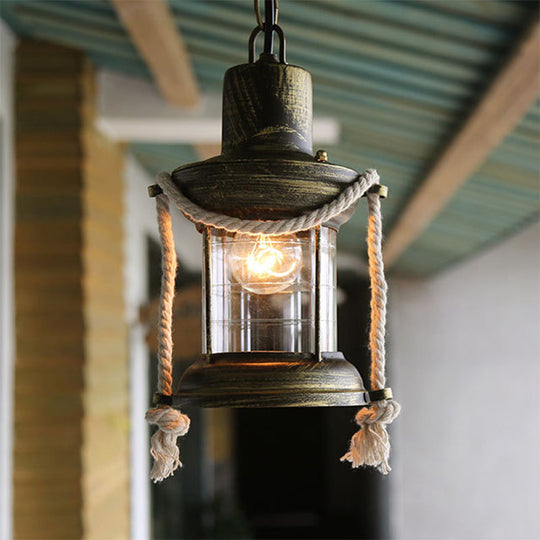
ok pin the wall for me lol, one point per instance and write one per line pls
(465, 362)
(138, 225)
(105, 451)
(48, 294)
(7, 42)
(71, 431)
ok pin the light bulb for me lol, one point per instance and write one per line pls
(265, 264)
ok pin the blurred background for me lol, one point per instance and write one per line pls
(441, 98)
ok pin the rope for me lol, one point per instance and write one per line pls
(370, 445)
(199, 215)
(171, 423)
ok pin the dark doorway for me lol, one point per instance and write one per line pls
(290, 481)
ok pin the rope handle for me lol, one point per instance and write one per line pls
(370, 445)
(171, 423)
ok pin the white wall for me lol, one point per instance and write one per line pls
(7, 183)
(465, 364)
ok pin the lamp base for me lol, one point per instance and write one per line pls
(270, 379)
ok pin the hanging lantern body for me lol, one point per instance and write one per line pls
(269, 212)
(269, 324)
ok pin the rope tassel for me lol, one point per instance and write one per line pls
(370, 445)
(171, 423)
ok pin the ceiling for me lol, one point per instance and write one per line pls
(400, 77)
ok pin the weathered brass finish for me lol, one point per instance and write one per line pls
(270, 379)
(321, 156)
(265, 185)
(378, 188)
(380, 395)
(267, 105)
(383, 191)
(267, 169)
(154, 190)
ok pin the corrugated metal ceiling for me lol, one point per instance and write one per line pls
(400, 77)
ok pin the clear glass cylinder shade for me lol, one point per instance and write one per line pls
(260, 292)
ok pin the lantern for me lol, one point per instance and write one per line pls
(269, 294)
(269, 300)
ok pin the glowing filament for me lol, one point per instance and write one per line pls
(265, 264)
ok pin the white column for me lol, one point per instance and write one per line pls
(7, 185)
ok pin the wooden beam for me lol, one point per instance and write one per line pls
(151, 27)
(132, 109)
(509, 97)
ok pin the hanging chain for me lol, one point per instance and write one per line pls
(260, 23)
(269, 26)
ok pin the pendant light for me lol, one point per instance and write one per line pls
(269, 212)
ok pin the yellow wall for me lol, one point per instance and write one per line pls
(71, 447)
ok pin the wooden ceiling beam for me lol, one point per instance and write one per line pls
(151, 27)
(132, 109)
(208, 150)
(509, 97)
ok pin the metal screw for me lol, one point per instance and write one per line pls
(322, 156)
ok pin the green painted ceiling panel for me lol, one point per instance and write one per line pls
(400, 76)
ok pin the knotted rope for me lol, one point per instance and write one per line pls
(171, 423)
(370, 445)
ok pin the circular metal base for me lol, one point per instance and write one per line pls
(264, 185)
(268, 379)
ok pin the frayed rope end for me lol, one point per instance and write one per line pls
(171, 425)
(370, 445)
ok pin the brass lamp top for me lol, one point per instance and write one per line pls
(267, 169)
